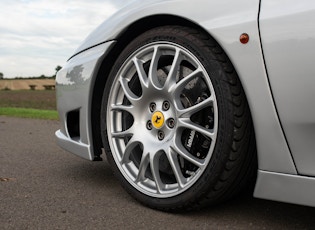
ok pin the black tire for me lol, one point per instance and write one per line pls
(233, 163)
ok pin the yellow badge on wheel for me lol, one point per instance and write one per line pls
(157, 119)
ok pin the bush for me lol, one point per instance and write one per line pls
(6, 88)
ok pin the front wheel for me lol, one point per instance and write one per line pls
(175, 121)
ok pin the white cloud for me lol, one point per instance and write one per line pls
(38, 35)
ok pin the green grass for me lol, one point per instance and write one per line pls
(29, 113)
(39, 104)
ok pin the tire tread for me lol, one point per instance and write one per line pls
(239, 160)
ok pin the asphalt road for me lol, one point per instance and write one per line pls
(45, 187)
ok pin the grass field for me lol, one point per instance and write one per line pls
(28, 103)
(29, 113)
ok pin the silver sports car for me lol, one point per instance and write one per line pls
(194, 102)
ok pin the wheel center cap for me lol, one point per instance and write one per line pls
(157, 119)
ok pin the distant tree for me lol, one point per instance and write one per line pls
(1, 75)
(58, 67)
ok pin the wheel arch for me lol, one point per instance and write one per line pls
(124, 38)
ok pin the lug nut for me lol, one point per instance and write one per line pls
(166, 105)
(149, 125)
(171, 123)
(161, 135)
(152, 107)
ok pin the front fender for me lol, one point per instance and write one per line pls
(211, 15)
(225, 21)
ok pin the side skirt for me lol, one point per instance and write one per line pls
(287, 188)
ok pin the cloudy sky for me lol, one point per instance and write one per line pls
(38, 35)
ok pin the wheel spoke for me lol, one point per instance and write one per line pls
(178, 148)
(145, 160)
(122, 134)
(128, 93)
(141, 73)
(128, 149)
(153, 67)
(173, 160)
(188, 112)
(127, 108)
(187, 123)
(171, 78)
(154, 163)
(177, 88)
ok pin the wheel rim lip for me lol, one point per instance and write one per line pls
(128, 170)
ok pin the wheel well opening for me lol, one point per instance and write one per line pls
(123, 40)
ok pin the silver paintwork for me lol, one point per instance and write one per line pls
(153, 91)
(226, 20)
(288, 188)
(73, 91)
(288, 41)
(225, 24)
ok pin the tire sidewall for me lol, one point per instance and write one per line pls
(215, 68)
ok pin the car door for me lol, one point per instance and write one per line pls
(287, 30)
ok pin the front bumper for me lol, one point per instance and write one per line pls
(74, 90)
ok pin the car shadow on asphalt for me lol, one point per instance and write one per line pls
(99, 176)
(283, 215)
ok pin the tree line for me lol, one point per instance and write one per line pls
(43, 76)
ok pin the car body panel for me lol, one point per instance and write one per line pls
(225, 24)
(225, 21)
(212, 15)
(288, 188)
(74, 84)
(288, 42)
